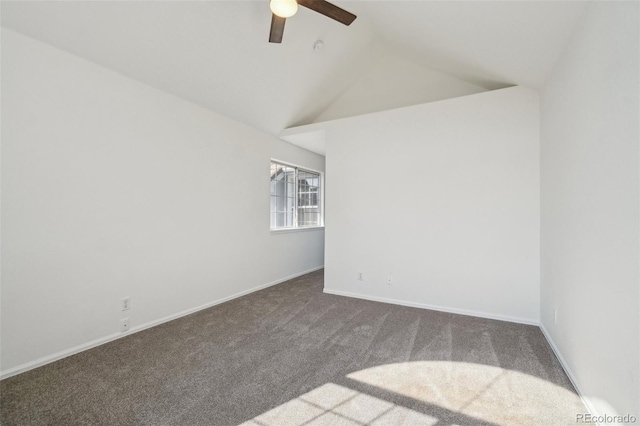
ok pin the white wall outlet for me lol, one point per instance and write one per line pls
(555, 315)
(126, 303)
(389, 279)
(124, 325)
(360, 277)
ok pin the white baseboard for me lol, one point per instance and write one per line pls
(111, 337)
(574, 381)
(100, 341)
(479, 314)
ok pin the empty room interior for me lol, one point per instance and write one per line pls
(272, 213)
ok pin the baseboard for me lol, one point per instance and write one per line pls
(435, 308)
(574, 381)
(106, 339)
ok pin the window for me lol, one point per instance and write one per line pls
(295, 197)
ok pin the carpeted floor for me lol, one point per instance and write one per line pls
(291, 355)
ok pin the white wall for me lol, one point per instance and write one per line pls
(590, 207)
(393, 82)
(111, 188)
(442, 196)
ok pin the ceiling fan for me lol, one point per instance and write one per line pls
(283, 9)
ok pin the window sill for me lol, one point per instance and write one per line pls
(304, 229)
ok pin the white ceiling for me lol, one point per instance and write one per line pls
(216, 54)
(490, 43)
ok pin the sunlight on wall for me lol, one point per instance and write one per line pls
(492, 394)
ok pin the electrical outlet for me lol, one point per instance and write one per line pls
(124, 325)
(126, 303)
(360, 278)
(389, 279)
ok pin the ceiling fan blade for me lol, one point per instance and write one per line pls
(277, 29)
(330, 10)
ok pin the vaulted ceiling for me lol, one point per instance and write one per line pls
(216, 54)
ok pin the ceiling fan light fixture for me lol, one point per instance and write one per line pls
(284, 8)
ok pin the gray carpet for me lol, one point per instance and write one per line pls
(291, 355)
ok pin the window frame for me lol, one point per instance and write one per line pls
(296, 227)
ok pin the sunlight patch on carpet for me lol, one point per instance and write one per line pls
(492, 394)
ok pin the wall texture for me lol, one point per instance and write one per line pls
(444, 197)
(590, 207)
(110, 189)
